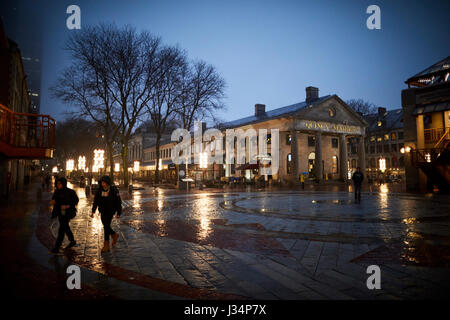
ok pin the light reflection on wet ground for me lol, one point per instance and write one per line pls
(385, 228)
(398, 213)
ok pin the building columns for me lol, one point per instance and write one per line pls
(420, 132)
(362, 155)
(318, 157)
(294, 156)
(343, 168)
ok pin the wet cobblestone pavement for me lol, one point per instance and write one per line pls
(260, 245)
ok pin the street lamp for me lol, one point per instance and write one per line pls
(382, 165)
(136, 166)
(69, 165)
(203, 160)
(98, 159)
(81, 163)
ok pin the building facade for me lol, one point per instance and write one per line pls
(384, 143)
(426, 113)
(25, 137)
(313, 138)
(313, 141)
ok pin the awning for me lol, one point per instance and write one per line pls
(248, 166)
(432, 107)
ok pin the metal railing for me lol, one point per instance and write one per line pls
(26, 130)
(421, 156)
(433, 134)
(445, 136)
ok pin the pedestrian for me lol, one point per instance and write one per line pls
(358, 178)
(302, 180)
(107, 200)
(64, 203)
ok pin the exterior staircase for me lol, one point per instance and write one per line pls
(435, 163)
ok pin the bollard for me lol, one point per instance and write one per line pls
(130, 188)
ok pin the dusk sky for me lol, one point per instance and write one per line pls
(269, 51)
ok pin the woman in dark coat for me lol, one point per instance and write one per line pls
(64, 203)
(107, 200)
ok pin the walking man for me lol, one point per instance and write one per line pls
(107, 200)
(358, 178)
(64, 201)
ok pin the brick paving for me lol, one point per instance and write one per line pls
(285, 245)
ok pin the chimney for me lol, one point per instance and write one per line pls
(312, 94)
(260, 109)
(381, 111)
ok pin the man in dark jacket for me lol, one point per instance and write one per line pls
(358, 178)
(107, 200)
(64, 201)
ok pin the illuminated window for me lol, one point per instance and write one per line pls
(379, 123)
(386, 137)
(393, 136)
(372, 138)
(334, 168)
(289, 163)
(379, 139)
(311, 161)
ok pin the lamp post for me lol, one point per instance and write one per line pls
(82, 163)
(98, 160)
(203, 165)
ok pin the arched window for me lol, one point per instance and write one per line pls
(334, 167)
(289, 163)
(311, 161)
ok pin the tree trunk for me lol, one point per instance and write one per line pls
(111, 161)
(125, 164)
(158, 140)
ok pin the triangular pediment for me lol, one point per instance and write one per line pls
(331, 115)
(332, 110)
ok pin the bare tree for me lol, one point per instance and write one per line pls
(167, 92)
(361, 106)
(202, 94)
(115, 71)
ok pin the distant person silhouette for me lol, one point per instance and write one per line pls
(358, 178)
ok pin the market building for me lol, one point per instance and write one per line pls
(313, 138)
(426, 119)
(313, 141)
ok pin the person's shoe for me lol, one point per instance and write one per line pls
(55, 250)
(71, 244)
(105, 246)
(114, 237)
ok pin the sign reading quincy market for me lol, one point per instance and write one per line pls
(327, 127)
